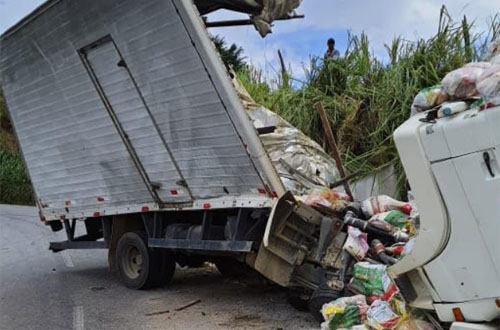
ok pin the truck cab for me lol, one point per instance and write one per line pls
(452, 165)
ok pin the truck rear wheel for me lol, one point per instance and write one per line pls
(322, 295)
(140, 267)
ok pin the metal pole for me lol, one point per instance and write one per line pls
(240, 22)
(333, 147)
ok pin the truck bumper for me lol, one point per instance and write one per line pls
(473, 326)
(484, 310)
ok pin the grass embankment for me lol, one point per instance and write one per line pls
(14, 184)
(365, 99)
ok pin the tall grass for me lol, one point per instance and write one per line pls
(367, 99)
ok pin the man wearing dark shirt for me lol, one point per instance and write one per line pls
(331, 52)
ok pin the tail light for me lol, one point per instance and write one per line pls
(457, 313)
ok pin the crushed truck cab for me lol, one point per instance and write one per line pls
(452, 165)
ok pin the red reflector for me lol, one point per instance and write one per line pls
(100, 199)
(457, 313)
(274, 194)
(174, 192)
(42, 218)
(145, 209)
(97, 214)
(262, 191)
(63, 217)
(67, 203)
(207, 206)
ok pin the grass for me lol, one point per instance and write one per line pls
(14, 184)
(365, 99)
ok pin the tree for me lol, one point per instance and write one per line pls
(231, 55)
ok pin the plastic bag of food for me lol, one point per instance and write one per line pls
(428, 98)
(488, 85)
(326, 197)
(383, 203)
(395, 249)
(345, 312)
(372, 281)
(329, 194)
(395, 217)
(380, 316)
(317, 200)
(414, 324)
(461, 83)
(356, 243)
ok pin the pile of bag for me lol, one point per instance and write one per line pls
(472, 82)
(380, 232)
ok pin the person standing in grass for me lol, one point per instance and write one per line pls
(331, 52)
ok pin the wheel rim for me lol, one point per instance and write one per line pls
(132, 262)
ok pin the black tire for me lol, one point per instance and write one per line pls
(298, 299)
(230, 267)
(140, 267)
(322, 295)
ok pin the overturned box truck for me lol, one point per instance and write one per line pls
(129, 125)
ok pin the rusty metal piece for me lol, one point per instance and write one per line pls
(333, 146)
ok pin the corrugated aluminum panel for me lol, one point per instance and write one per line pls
(74, 151)
(125, 102)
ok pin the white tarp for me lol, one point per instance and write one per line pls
(289, 147)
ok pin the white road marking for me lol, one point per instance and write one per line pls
(78, 322)
(67, 259)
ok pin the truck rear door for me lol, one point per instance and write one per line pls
(137, 127)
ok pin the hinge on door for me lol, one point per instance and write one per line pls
(182, 183)
(122, 64)
(155, 185)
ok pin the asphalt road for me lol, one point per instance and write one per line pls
(75, 290)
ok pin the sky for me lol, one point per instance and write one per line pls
(299, 39)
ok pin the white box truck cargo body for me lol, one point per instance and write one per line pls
(121, 106)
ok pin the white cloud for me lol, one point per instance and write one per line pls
(382, 20)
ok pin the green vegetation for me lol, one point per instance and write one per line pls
(231, 55)
(14, 184)
(365, 99)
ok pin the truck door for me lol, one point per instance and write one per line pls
(133, 120)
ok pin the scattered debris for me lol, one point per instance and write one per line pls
(157, 313)
(97, 288)
(188, 305)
